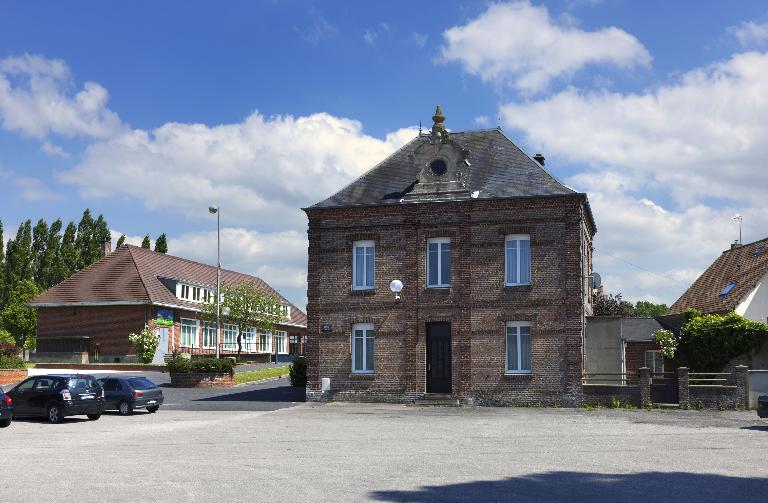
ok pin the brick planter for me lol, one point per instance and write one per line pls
(202, 380)
(12, 376)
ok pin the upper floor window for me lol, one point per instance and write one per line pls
(439, 262)
(518, 347)
(362, 348)
(517, 259)
(194, 293)
(363, 265)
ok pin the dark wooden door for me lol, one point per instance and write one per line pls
(438, 358)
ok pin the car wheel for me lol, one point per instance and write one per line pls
(54, 414)
(124, 408)
(93, 417)
(152, 409)
(5, 423)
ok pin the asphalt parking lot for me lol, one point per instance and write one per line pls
(366, 452)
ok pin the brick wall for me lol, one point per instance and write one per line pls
(477, 305)
(634, 356)
(603, 395)
(202, 380)
(8, 377)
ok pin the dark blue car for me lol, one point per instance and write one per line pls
(6, 409)
(125, 394)
(57, 396)
(762, 406)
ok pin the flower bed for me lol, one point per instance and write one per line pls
(202, 380)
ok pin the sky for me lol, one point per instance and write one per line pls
(149, 112)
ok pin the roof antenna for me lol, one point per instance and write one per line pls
(498, 122)
(419, 128)
(738, 218)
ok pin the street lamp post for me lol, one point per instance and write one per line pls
(214, 210)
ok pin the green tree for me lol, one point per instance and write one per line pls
(145, 243)
(99, 235)
(2, 266)
(120, 241)
(249, 308)
(44, 275)
(39, 241)
(646, 309)
(161, 245)
(18, 259)
(19, 319)
(145, 343)
(612, 305)
(65, 264)
(85, 242)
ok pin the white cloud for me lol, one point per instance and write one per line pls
(32, 189)
(420, 39)
(54, 150)
(318, 30)
(261, 171)
(750, 34)
(279, 258)
(482, 121)
(703, 135)
(522, 45)
(114, 235)
(36, 99)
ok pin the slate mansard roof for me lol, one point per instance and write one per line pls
(499, 169)
(743, 267)
(134, 275)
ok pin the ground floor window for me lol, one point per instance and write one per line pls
(294, 345)
(189, 331)
(249, 340)
(518, 347)
(230, 337)
(265, 342)
(654, 361)
(281, 342)
(209, 335)
(362, 348)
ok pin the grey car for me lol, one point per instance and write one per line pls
(125, 394)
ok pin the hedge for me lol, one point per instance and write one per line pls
(201, 366)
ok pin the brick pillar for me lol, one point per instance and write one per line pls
(683, 393)
(742, 387)
(644, 382)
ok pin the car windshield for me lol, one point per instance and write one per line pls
(141, 383)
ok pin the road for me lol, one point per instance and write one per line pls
(373, 452)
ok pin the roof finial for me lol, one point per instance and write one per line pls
(439, 118)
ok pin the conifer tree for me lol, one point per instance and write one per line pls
(161, 245)
(145, 243)
(67, 258)
(39, 242)
(85, 240)
(99, 235)
(120, 241)
(45, 276)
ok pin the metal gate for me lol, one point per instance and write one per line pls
(664, 388)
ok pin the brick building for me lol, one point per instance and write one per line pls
(493, 254)
(89, 315)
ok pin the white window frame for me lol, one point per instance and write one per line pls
(657, 357)
(441, 281)
(233, 344)
(209, 326)
(268, 338)
(249, 340)
(519, 363)
(182, 324)
(281, 342)
(518, 238)
(366, 280)
(367, 367)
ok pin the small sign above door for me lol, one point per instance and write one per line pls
(326, 328)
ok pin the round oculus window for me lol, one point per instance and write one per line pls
(438, 167)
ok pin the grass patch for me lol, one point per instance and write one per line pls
(259, 375)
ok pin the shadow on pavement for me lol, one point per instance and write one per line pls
(592, 487)
(756, 427)
(272, 394)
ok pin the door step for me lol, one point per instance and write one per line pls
(666, 405)
(438, 400)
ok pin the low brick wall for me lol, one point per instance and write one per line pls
(103, 366)
(714, 397)
(12, 376)
(603, 394)
(202, 380)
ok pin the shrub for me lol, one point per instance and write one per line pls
(9, 349)
(615, 403)
(667, 340)
(179, 365)
(5, 336)
(298, 372)
(12, 362)
(145, 343)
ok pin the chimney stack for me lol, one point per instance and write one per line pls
(735, 244)
(539, 158)
(106, 247)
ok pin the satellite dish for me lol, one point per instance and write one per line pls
(595, 281)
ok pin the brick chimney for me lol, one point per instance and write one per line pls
(106, 247)
(539, 158)
(735, 244)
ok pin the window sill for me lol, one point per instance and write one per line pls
(518, 374)
(361, 375)
(363, 291)
(518, 288)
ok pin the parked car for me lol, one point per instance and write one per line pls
(58, 396)
(125, 394)
(6, 409)
(762, 406)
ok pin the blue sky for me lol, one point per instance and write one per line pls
(149, 111)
